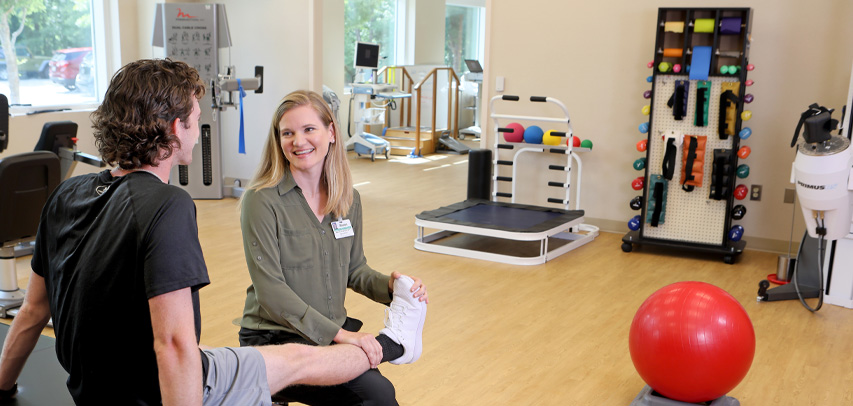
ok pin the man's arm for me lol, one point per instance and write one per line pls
(178, 357)
(24, 332)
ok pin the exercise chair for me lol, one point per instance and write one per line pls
(60, 137)
(26, 181)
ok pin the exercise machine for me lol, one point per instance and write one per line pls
(823, 175)
(195, 33)
(509, 231)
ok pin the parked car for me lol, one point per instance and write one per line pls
(29, 65)
(65, 65)
(86, 75)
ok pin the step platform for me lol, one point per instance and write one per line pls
(402, 140)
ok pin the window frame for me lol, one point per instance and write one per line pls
(99, 10)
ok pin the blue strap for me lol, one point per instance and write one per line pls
(241, 148)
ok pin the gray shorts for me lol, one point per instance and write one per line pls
(236, 376)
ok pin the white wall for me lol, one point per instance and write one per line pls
(274, 34)
(593, 55)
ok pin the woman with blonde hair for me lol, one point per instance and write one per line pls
(302, 236)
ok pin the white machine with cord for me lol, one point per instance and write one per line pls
(823, 175)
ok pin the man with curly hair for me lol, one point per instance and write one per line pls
(118, 266)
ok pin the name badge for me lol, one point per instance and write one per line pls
(342, 229)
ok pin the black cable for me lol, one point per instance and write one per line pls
(349, 117)
(820, 253)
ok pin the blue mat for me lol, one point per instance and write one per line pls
(700, 65)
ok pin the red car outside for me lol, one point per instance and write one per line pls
(65, 65)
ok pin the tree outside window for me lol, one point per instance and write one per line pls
(51, 45)
(372, 21)
(462, 36)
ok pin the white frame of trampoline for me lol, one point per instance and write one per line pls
(565, 231)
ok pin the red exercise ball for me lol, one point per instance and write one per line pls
(692, 342)
(517, 134)
(576, 142)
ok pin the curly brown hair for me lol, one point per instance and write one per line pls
(132, 125)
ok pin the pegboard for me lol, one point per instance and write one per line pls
(715, 42)
(690, 216)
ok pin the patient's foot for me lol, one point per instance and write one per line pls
(404, 321)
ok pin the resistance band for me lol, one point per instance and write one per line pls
(703, 92)
(241, 144)
(701, 63)
(720, 174)
(693, 161)
(657, 202)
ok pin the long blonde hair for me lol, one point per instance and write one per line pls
(335, 179)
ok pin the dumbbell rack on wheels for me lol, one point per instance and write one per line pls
(718, 40)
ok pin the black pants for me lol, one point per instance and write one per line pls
(369, 389)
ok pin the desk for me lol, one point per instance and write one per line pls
(42, 382)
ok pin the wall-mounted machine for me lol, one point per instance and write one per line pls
(195, 33)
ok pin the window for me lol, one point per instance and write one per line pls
(463, 34)
(371, 21)
(54, 54)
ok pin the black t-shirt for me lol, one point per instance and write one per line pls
(105, 246)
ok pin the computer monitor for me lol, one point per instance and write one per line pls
(474, 66)
(366, 55)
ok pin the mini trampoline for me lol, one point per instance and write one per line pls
(510, 232)
(502, 232)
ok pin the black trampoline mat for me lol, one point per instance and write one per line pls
(502, 216)
(42, 382)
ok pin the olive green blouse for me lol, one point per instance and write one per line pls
(299, 270)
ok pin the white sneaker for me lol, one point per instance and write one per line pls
(404, 321)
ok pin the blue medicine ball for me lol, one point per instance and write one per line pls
(736, 233)
(533, 134)
(634, 223)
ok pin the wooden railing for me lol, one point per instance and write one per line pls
(452, 104)
(389, 74)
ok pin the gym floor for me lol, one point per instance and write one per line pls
(551, 334)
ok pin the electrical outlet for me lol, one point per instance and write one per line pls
(755, 193)
(790, 194)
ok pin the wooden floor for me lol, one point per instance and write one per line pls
(552, 334)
